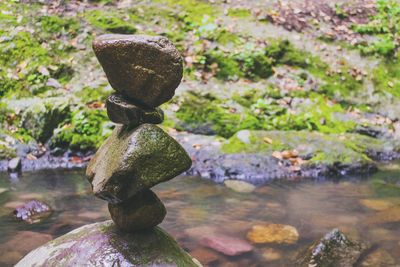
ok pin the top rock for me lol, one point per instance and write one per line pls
(145, 69)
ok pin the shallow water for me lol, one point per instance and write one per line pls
(314, 208)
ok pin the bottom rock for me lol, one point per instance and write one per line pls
(142, 211)
(102, 244)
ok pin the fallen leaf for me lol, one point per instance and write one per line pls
(267, 140)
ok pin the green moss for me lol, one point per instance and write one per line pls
(206, 110)
(386, 77)
(41, 118)
(193, 12)
(7, 152)
(255, 145)
(228, 68)
(320, 148)
(239, 12)
(85, 130)
(26, 52)
(59, 25)
(385, 27)
(110, 21)
(89, 94)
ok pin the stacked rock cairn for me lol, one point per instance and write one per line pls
(144, 71)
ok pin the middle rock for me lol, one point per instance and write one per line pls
(133, 159)
(122, 111)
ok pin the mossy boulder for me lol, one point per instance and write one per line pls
(43, 116)
(133, 159)
(102, 244)
(317, 148)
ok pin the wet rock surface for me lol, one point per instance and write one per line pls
(334, 249)
(146, 69)
(32, 211)
(131, 160)
(122, 111)
(142, 211)
(102, 244)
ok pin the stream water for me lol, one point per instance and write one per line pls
(366, 208)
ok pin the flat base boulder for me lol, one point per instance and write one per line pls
(133, 159)
(102, 244)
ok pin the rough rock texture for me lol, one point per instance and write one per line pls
(133, 159)
(334, 249)
(122, 111)
(101, 244)
(146, 69)
(144, 210)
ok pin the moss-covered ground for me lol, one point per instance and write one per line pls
(52, 89)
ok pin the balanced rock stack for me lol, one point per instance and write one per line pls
(144, 71)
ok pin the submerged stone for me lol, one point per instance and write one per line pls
(334, 249)
(102, 244)
(122, 111)
(239, 186)
(146, 69)
(32, 211)
(133, 159)
(273, 233)
(227, 245)
(143, 211)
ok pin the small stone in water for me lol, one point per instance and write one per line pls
(239, 186)
(273, 233)
(121, 110)
(32, 211)
(227, 245)
(271, 254)
(14, 165)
